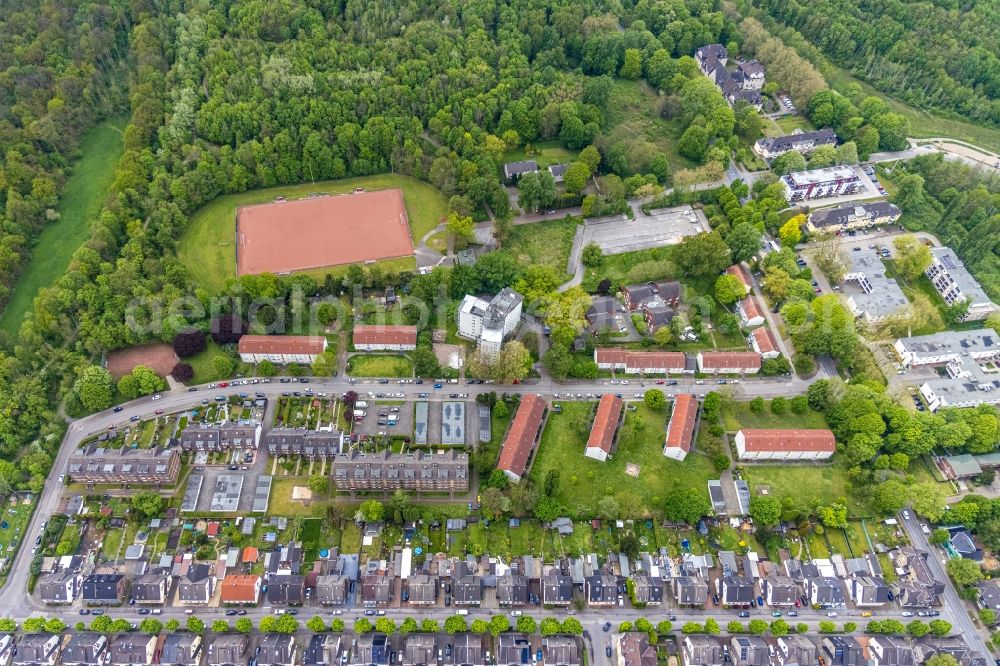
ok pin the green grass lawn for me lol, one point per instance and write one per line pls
(545, 153)
(543, 243)
(806, 483)
(281, 503)
(736, 415)
(789, 124)
(79, 204)
(585, 481)
(817, 546)
(16, 516)
(388, 365)
(207, 247)
(632, 268)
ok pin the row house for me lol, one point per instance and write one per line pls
(606, 422)
(220, 437)
(312, 444)
(680, 429)
(95, 464)
(749, 312)
(728, 363)
(384, 337)
(641, 362)
(762, 341)
(522, 436)
(784, 444)
(281, 349)
(420, 471)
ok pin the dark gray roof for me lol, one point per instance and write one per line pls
(780, 144)
(102, 587)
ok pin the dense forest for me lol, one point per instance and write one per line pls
(60, 68)
(938, 55)
(231, 96)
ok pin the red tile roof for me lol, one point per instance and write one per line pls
(385, 335)
(240, 588)
(730, 360)
(609, 355)
(749, 306)
(740, 273)
(213, 529)
(602, 433)
(765, 341)
(282, 344)
(521, 436)
(250, 554)
(682, 421)
(788, 440)
(655, 359)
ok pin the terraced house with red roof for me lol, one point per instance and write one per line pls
(385, 337)
(784, 444)
(522, 437)
(282, 349)
(728, 363)
(602, 434)
(680, 430)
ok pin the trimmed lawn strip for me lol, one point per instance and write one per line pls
(80, 202)
(584, 481)
(546, 153)
(281, 503)
(207, 247)
(387, 365)
(737, 415)
(806, 483)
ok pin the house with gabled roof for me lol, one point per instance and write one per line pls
(606, 421)
(557, 589)
(728, 363)
(784, 444)
(680, 429)
(522, 436)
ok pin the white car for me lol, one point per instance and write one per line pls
(157, 396)
(515, 613)
(906, 515)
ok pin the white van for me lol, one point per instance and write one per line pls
(462, 611)
(360, 404)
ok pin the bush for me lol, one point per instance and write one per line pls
(182, 372)
(190, 342)
(757, 405)
(779, 406)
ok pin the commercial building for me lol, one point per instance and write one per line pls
(680, 430)
(602, 434)
(853, 216)
(969, 362)
(522, 437)
(784, 444)
(821, 183)
(384, 337)
(96, 464)
(803, 142)
(870, 293)
(955, 283)
(281, 349)
(728, 363)
(490, 323)
(417, 470)
(762, 341)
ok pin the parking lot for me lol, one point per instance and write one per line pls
(618, 234)
(377, 414)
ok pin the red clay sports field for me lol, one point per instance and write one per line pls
(321, 231)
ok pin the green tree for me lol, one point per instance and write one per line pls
(34, 625)
(219, 626)
(319, 484)
(591, 255)
(941, 659)
(244, 625)
(917, 628)
(95, 388)
(625, 627)
(558, 361)
(171, 625)
(765, 510)
(151, 626)
(576, 175)
(409, 626)
(148, 503)
(693, 143)
(499, 624)
(363, 625)
(526, 624)
(195, 626)
(744, 242)
(827, 627)
(939, 627)
(316, 624)
(791, 231)
(461, 228)
(779, 628)
(479, 626)
(372, 511)
(265, 368)
(664, 627)
(385, 625)
(8, 624)
(729, 289)
(455, 624)
(571, 625)
(912, 256)
(686, 507)
(632, 67)
(757, 626)
(223, 365)
(337, 625)
(550, 626)
(692, 628)
(711, 626)
(654, 399)
(734, 627)
(702, 254)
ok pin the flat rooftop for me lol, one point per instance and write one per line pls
(453, 423)
(261, 494)
(228, 488)
(969, 286)
(320, 231)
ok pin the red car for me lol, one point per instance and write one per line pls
(660, 381)
(223, 384)
(159, 411)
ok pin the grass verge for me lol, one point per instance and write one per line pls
(379, 366)
(736, 415)
(81, 201)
